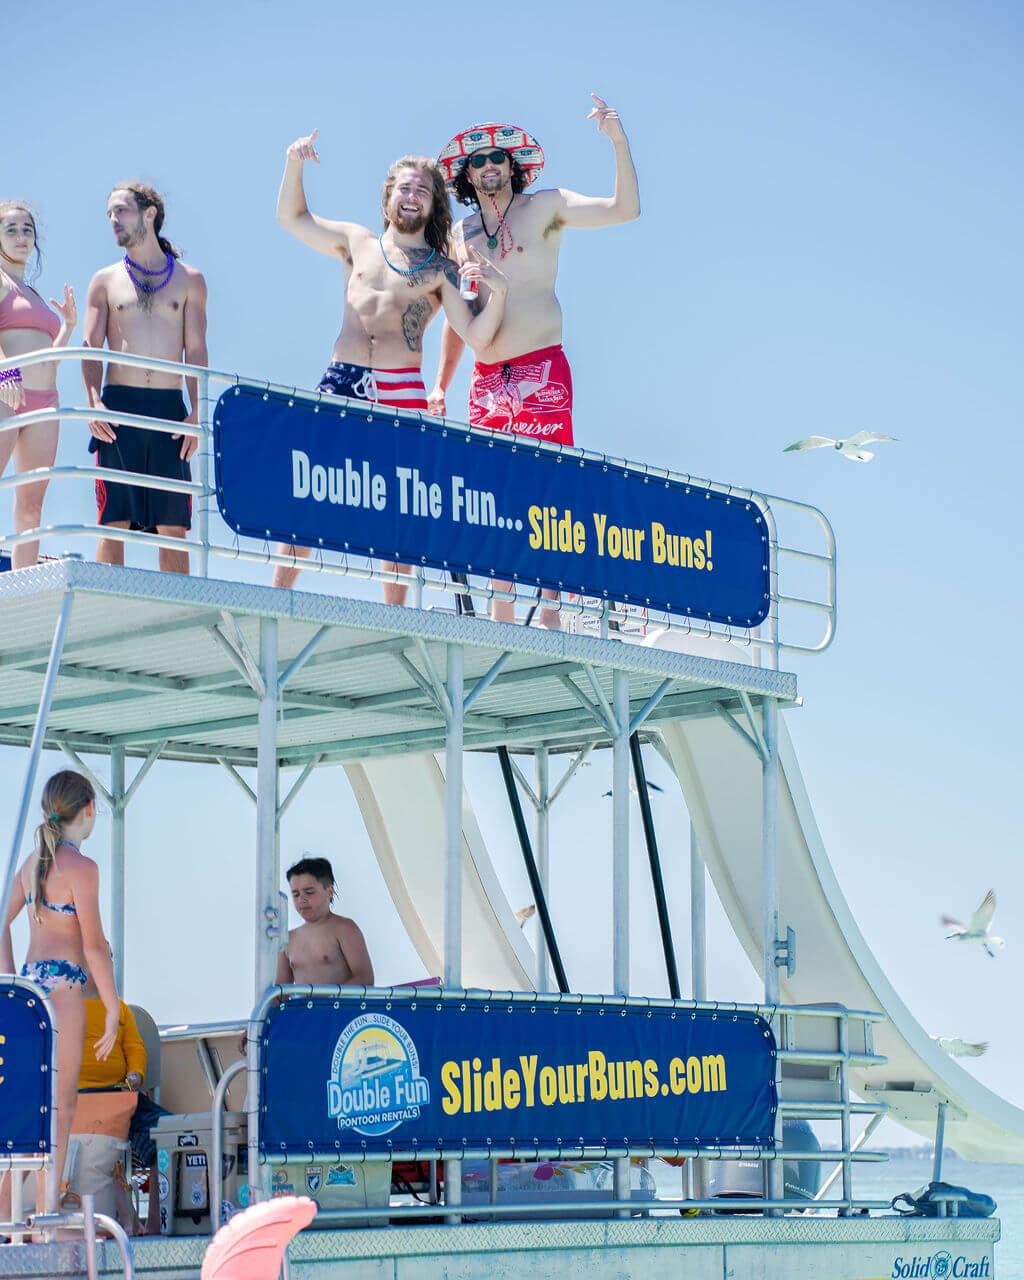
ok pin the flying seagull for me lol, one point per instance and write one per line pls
(957, 1048)
(977, 928)
(524, 913)
(849, 449)
(651, 786)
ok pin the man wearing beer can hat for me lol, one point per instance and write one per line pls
(521, 382)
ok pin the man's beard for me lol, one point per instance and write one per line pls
(407, 225)
(128, 239)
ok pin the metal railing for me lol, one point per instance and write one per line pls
(784, 1018)
(768, 637)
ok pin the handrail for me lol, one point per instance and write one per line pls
(769, 637)
(217, 1141)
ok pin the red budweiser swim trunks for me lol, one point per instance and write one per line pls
(530, 395)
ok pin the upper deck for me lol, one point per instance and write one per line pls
(157, 661)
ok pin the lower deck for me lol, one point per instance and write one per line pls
(818, 1248)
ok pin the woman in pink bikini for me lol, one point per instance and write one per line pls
(60, 887)
(27, 324)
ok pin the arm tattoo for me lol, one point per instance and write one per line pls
(414, 321)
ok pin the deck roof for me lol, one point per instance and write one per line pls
(143, 665)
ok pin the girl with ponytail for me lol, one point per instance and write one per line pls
(60, 887)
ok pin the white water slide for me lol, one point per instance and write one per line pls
(720, 778)
(402, 802)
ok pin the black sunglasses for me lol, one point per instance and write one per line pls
(479, 158)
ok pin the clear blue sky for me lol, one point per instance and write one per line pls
(830, 240)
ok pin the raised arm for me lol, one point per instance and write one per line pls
(353, 948)
(195, 352)
(95, 335)
(85, 887)
(624, 204)
(68, 312)
(475, 327)
(293, 213)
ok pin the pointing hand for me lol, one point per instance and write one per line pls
(607, 120)
(303, 149)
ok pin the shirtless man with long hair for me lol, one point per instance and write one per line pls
(151, 304)
(521, 381)
(395, 283)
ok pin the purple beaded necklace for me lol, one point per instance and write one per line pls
(167, 270)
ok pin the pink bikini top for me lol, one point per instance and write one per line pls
(26, 310)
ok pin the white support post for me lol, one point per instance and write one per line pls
(620, 834)
(543, 811)
(698, 973)
(698, 921)
(265, 939)
(770, 850)
(770, 900)
(453, 867)
(620, 874)
(117, 869)
(36, 748)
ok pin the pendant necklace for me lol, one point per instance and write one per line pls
(401, 271)
(501, 234)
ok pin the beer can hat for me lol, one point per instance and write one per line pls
(522, 146)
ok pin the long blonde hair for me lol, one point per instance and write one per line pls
(64, 797)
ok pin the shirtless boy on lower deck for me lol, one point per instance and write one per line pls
(325, 949)
(394, 283)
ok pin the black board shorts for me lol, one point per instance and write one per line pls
(151, 453)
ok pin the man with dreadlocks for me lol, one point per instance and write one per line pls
(395, 283)
(148, 303)
(521, 382)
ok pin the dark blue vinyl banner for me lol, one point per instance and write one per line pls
(477, 1073)
(26, 1050)
(355, 477)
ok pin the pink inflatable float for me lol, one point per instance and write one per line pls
(251, 1246)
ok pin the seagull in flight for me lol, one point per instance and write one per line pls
(957, 1048)
(524, 913)
(850, 449)
(977, 928)
(651, 786)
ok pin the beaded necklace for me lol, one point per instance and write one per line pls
(401, 271)
(501, 231)
(167, 270)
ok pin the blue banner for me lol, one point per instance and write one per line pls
(349, 476)
(26, 1051)
(476, 1073)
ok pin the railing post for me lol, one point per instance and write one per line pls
(203, 458)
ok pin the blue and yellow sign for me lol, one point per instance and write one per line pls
(26, 1075)
(475, 1073)
(353, 477)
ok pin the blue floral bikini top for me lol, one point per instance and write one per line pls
(64, 908)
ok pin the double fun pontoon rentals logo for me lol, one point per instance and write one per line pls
(375, 1080)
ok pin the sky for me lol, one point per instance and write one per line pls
(829, 241)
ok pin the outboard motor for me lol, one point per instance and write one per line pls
(742, 1179)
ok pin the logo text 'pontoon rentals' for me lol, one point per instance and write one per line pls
(375, 1080)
